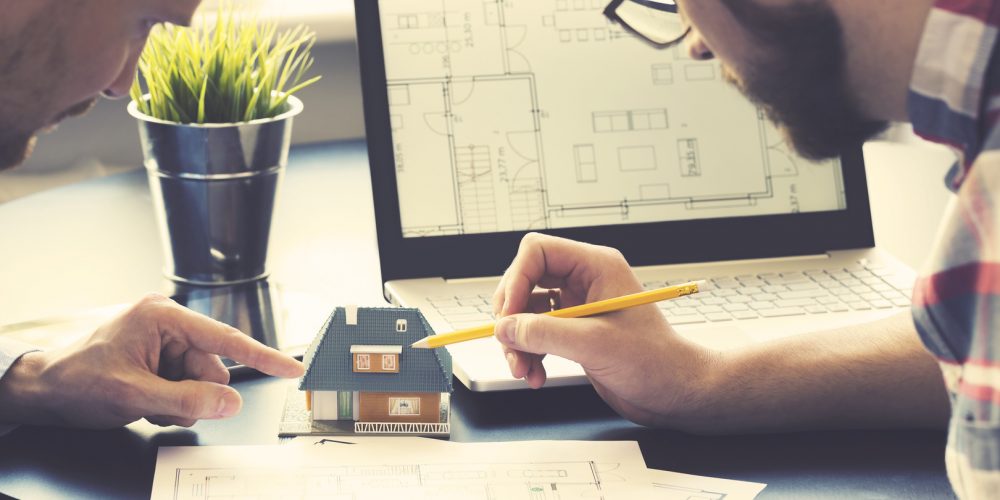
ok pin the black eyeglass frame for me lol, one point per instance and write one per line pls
(609, 12)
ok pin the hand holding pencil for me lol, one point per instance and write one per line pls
(580, 311)
(633, 357)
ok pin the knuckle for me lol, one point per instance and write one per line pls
(153, 299)
(531, 241)
(532, 238)
(613, 259)
(148, 306)
(614, 255)
(156, 297)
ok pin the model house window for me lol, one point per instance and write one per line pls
(376, 358)
(389, 362)
(401, 325)
(404, 406)
(364, 362)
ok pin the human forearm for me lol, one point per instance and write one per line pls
(21, 392)
(876, 375)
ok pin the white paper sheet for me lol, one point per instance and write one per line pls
(406, 468)
(677, 486)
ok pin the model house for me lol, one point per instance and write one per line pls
(362, 370)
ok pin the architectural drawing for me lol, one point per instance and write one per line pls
(677, 486)
(485, 481)
(542, 114)
(685, 493)
(411, 468)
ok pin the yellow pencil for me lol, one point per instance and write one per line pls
(592, 309)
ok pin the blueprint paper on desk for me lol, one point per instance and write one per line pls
(535, 470)
(670, 485)
(677, 486)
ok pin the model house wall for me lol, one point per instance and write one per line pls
(327, 405)
(400, 407)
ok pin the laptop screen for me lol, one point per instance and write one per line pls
(505, 117)
(512, 116)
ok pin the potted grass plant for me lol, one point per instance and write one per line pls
(215, 105)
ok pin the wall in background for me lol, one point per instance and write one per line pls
(106, 140)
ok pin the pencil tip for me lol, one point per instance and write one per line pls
(421, 344)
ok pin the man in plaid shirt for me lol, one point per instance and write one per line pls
(830, 73)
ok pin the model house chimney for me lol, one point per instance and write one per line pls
(352, 315)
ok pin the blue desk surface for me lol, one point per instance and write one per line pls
(95, 244)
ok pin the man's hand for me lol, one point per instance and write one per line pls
(874, 375)
(157, 361)
(635, 360)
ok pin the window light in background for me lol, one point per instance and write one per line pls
(333, 20)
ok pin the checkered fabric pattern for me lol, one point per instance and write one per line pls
(955, 100)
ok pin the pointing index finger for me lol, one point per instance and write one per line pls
(215, 337)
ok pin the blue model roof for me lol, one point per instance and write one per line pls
(329, 362)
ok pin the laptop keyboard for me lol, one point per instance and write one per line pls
(769, 295)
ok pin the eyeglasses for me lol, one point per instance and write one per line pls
(656, 21)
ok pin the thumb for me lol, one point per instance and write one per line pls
(190, 399)
(577, 339)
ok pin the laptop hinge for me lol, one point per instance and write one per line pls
(482, 279)
(794, 258)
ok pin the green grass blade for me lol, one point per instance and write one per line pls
(235, 69)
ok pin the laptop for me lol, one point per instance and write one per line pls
(486, 120)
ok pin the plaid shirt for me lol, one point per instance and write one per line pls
(955, 100)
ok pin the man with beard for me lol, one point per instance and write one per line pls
(830, 73)
(157, 361)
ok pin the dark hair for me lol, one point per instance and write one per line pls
(804, 45)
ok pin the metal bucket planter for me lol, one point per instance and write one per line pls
(214, 189)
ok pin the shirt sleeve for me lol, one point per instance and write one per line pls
(10, 352)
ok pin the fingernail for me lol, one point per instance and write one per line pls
(505, 330)
(511, 361)
(228, 406)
